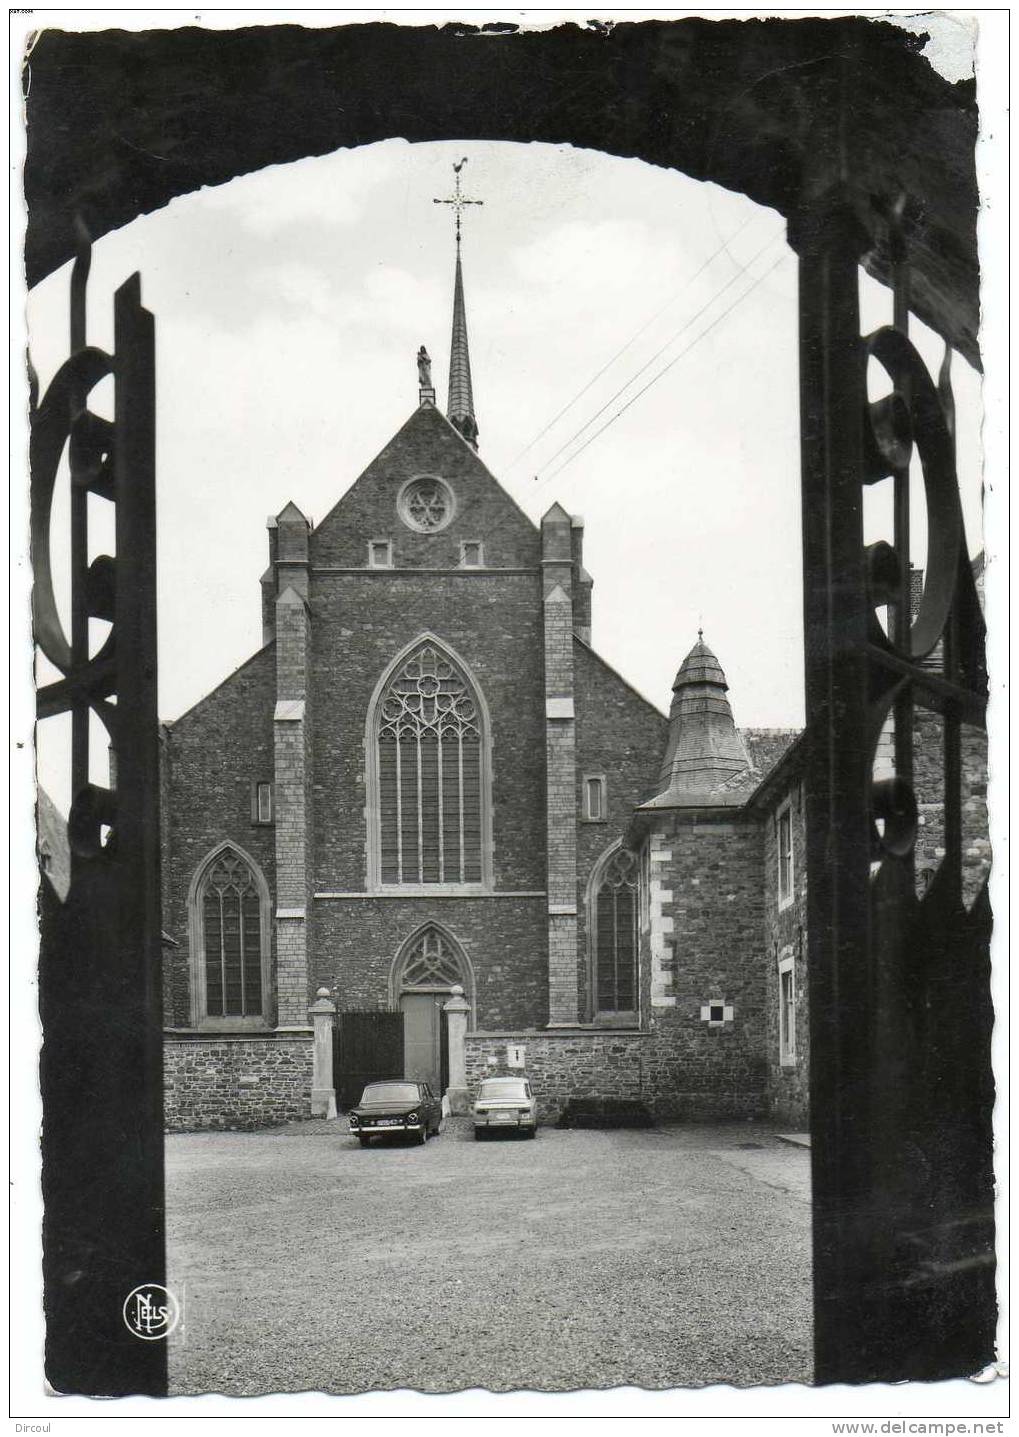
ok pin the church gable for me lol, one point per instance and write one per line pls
(426, 523)
(619, 736)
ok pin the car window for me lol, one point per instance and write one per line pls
(504, 1088)
(390, 1093)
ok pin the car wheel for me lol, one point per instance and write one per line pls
(423, 1135)
(363, 1139)
(479, 1133)
(530, 1132)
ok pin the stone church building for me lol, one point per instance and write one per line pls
(426, 780)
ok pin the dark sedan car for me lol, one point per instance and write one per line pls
(396, 1107)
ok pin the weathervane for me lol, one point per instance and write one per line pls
(458, 200)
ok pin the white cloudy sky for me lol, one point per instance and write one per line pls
(289, 306)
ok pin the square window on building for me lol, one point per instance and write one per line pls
(786, 1010)
(717, 1013)
(472, 554)
(595, 810)
(261, 803)
(784, 847)
(380, 554)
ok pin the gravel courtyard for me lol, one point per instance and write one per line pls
(665, 1258)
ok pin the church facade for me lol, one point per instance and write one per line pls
(426, 780)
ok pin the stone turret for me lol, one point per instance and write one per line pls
(705, 757)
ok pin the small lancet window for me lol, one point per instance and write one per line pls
(594, 798)
(472, 554)
(261, 803)
(380, 554)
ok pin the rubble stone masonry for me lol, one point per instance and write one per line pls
(236, 1083)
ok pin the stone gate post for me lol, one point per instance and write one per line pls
(323, 1094)
(456, 1011)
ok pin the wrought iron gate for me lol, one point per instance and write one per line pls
(368, 1046)
(101, 1067)
(901, 1085)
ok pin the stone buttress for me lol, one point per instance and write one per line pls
(292, 777)
(561, 766)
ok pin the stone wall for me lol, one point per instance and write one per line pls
(236, 1083)
(928, 784)
(620, 735)
(360, 623)
(210, 758)
(584, 1063)
(427, 444)
(563, 1065)
(356, 940)
(701, 942)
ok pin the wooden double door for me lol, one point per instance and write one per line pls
(425, 1047)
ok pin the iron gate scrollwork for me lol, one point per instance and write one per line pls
(101, 1066)
(901, 1085)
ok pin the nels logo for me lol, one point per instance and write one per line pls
(151, 1312)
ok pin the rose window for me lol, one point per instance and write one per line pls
(426, 504)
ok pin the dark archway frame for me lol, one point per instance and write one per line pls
(843, 127)
(119, 123)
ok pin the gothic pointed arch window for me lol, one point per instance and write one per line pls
(612, 934)
(429, 808)
(229, 929)
(431, 961)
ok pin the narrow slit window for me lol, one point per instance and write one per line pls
(786, 1011)
(784, 845)
(594, 798)
(261, 803)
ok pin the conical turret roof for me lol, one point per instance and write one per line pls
(705, 758)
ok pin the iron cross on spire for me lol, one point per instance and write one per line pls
(458, 200)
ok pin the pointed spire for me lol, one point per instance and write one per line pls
(460, 409)
(705, 753)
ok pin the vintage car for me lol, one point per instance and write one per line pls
(505, 1105)
(397, 1107)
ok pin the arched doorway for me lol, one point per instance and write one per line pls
(430, 964)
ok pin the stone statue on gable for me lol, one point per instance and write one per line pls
(424, 369)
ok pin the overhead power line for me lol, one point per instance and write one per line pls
(661, 350)
(662, 372)
(632, 340)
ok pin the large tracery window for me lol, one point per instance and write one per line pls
(430, 749)
(229, 914)
(233, 940)
(614, 945)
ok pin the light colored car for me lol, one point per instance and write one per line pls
(505, 1105)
